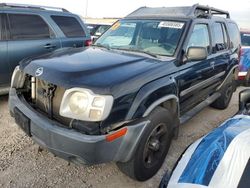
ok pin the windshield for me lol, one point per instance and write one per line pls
(152, 37)
(245, 39)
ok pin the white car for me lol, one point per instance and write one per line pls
(220, 159)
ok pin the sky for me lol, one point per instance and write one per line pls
(240, 9)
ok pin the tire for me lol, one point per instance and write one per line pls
(226, 94)
(152, 149)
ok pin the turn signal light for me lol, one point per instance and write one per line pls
(117, 134)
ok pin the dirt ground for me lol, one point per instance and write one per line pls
(22, 165)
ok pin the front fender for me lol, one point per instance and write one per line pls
(151, 95)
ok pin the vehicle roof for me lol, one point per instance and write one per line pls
(146, 12)
(245, 31)
(186, 12)
(33, 9)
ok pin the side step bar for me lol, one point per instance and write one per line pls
(4, 90)
(188, 115)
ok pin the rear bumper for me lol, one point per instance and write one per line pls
(72, 145)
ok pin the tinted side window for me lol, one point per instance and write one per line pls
(219, 36)
(24, 26)
(234, 35)
(200, 37)
(1, 28)
(69, 26)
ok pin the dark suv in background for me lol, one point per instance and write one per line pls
(124, 98)
(27, 30)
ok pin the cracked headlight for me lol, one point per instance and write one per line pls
(83, 104)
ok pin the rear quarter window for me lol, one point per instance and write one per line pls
(70, 26)
(234, 35)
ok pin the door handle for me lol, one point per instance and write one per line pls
(212, 64)
(49, 46)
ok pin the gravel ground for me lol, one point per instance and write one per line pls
(22, 164)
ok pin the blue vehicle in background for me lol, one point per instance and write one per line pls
(220, 158)
(28, 31)
(244, 66)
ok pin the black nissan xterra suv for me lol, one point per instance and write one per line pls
(124, 98)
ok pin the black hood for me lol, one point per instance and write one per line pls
(102, 70)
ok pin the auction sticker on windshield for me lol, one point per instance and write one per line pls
(169, 24)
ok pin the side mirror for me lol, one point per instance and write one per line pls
(196, 54)
(244, 99)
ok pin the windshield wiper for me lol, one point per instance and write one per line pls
(126, 49)
(102, 46)
(136, 50)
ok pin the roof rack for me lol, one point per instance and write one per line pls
(197, 11)
(13, 5)
(206, 11)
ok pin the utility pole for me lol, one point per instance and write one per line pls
(86, 10)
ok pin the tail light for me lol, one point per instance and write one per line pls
(242, 75)
(88, 43)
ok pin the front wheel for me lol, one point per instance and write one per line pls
(226, 94)
(153, 147)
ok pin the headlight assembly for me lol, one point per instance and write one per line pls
(83, 104)
(17, 79)
(78, 103)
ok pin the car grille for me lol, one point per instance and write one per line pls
(48, 100)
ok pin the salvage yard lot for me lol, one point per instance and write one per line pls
(22, 164)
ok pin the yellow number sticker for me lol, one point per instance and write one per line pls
(116, 26)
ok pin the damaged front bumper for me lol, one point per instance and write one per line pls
(70, 144)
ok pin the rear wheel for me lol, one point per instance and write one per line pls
(153, 147)
(226, 94)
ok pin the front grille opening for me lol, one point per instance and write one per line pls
(46, 100)
(40, 102)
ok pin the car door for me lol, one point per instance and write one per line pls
(73, 31)
(220, 50)
(196, 78)
(4, 64)
(29, 36)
